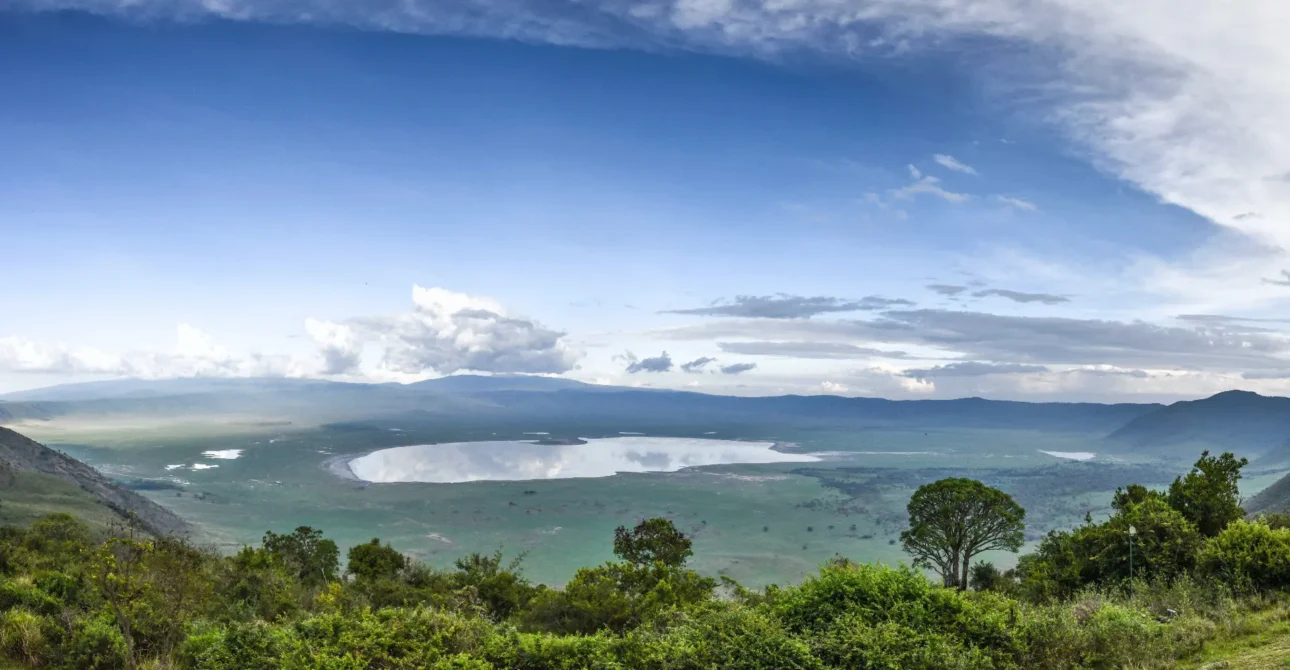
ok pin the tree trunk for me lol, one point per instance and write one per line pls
(963, 582)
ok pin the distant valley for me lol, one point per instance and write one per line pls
(236, 457)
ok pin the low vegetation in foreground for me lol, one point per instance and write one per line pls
(1204, 581)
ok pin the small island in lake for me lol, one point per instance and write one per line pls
(557, 441)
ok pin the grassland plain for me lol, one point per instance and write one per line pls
(761, 524)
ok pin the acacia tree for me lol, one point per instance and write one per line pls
(952, 520)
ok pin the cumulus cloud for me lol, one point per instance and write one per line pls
(821, 350)
(949, 162)
(737, 368)
(1018, 296)
(22, 355)
(195, 355)
(696, 366)
(338, 346)
(660, 363)
(833, 387)
(784, 306)
(444, 332)
(973, 369)
(448, 332)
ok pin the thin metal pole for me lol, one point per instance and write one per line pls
(1130, 566)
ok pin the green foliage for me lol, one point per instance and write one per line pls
(904, 611)
(985, 577)
(28, 637)
(1164, 548)
(501, 591)
(56, 542)
(952, 520)
(1208, 496)
(313, 559)
(1248, 557)
(1133, 494)
(374, 561)
(617, 597)
(95, 644)
(256, 584)
(653, 541)
(739, 638)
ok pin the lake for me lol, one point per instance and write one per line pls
(517, 461)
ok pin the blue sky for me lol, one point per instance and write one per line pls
(941, 199)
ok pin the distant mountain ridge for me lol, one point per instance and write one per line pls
(528, 397)
(25, 455)
(1248, 423)
(1252, 424)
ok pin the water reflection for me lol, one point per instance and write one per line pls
(502, 461)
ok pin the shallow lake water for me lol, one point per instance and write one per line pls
(515, 461)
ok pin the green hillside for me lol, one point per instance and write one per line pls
(37, 480)
(28, 496)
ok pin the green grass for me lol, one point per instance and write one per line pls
(1257, 639)
(27, 496)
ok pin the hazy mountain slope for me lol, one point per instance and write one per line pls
(488, 384)
(1275, 498)
(1248, 423)
(680, 407)
(503, 398)
(24, 456)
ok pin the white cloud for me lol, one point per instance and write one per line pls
(929, 185)
(1018, 203)
(195, 354)
(949, 162)
(22, 355)
(834, 388)
(448, 332)
(445, 332)
(338, 346)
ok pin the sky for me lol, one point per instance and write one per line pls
(1060, 200)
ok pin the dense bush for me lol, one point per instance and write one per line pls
(1248, 557)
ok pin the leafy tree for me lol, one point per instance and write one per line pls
(499, 588)
(653, 540)
(305, 552)
(1164, 547)
(256, 584)
(985, 576)
(374, 561)
(1208, 495)
(953, 519)
(1133, 494)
